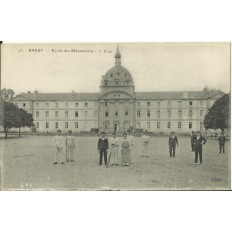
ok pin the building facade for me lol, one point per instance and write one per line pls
(117, 107)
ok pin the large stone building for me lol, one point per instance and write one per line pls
(118, 107)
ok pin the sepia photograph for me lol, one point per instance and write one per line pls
(115, 116)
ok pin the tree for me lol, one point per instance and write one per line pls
(218, 116)
(15, 118)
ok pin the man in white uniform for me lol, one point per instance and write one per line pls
(130, 138)
(59, 144)
(70, 147)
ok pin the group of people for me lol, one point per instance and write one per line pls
(118, 152)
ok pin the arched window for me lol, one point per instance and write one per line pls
(105, 82)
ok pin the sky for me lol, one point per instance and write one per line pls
(79, 67)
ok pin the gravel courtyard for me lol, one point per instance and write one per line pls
(28, 165)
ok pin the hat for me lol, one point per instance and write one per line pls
(124, 133)
(198, 132)
(69, 131)
(102, 133)
(59, 131)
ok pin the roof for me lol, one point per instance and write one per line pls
(58, 96)
(165, 95)
(177, 95)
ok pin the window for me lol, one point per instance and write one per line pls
(106, 114)
(179, 125)
(179, 103)
(105, 82)
(86, 114)
(111, 75)
(126, 113)
(169, 125)
(24, 104)
(158, 125)
(76, 124)
(190, 103)
(47, 124)
(138, 124)
(56, 114)
(169, 103)
(180, 113)
(138, 114)
(37, 114)
(16, 104)
(106, 103)
(66, 104)
(148, 113)
(37, 124)
(201, 113)
(148, 125)
(148, 104)
(76, 114)
(47, 104)
(47, 114)
(86, 104)
(190, 113)
(57, 125)
(116, 82)
(201, 103)
(190, 125)
(76, 104)
(57, 104)
(169, 113)
(66, 124)
(158, 113)
(66, 114)
(37, 104)
(95, 114)
(138, 104)
(158, 104)
(116, 113)
(201, 126)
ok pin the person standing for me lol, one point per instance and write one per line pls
(103, 146)
(145, 142)
(130, 138)
(70, 147)
(125, 150)
(172, 142)
(114, 157)
(222, 140)
(198, 142)
(58, 142)
(192, 138)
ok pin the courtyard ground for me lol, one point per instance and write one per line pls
(28, 165)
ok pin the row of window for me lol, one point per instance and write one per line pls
(66, 113)
(169, 112)
(67, 104)
(169, 103)
(169, 125)
(48, 124)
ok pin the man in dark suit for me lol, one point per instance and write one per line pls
(222, 140)
(198, 141)
(172, 142)
(103, 147)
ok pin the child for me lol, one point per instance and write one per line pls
(172, 142)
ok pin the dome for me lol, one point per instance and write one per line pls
(117, 75)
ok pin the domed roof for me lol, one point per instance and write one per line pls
(117, 73)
